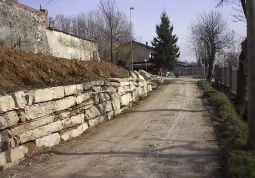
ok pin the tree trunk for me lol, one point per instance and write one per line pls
(210, 69)
(111, 46)
(242, 80)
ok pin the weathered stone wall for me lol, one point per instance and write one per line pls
(22, 28)
(62, 113)
(25, 28)
(70, 47)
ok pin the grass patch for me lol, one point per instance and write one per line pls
(236, 159)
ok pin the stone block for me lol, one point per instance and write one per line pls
(95, 121)
(132, 74)
(8, 119)
(30, 97)
(149, 88)
(19, 98)
(48, 141)
(83, 97)
(125, 99)
(138, 75)
(109, 115)
(6, 102)
(103, 97)
(73, 89)
(12, 155)
(48, 94)
(6, 140)
(109, 89)
(38, 111)
(96, 88)
(115, 95)
(97, 83)
(20, 129)
(73, 132)
(105, 107)
(140, 92)
(121, 90)
(135, 95)
(63, 115)
(116, 104)
(95, 98)
(87, 85)
(65, 103)
(92, 113)
(73, 121)
(147, 76)
(40, 131)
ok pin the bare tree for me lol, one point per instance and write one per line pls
(116, 23)
(107, 25)
(210, 32)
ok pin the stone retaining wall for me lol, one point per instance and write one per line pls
(62, 113)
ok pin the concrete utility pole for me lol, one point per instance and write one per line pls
(250, 5)
(131, 43)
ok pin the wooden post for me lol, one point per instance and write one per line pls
(251, 71)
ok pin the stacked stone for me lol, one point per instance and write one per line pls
(62, 112)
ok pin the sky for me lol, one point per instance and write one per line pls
(146, 16)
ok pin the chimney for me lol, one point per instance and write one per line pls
(146, 43)
(46, 17)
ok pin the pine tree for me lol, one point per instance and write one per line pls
(165, 46)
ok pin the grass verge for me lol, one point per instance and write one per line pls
(236, 159)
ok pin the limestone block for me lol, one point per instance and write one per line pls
(103, 97)
(65, 103)
(116, 104)
(138, 75)
(20, 129)
(73, 132)
(48, 141)
(6, 102)
(95, 121)
(48, 94)
(73, 121)
(12, 155)
(8, 119)
(30, 97)
(41, 131)
(147, 76)
(140, 91)
(115, 95)
(109, 89)
(87, 85)
(121, 90)
(135, 96)
(92, 113)
(19, 98)
(126, 89)
(97, 83)
(107, 83)
(6, 140)
(96, 88)
(81, 107)
(38, 111)
(125, 99)
(95, 98)
(115, 84)
(73, 89)
(81, 98)
(105, 107)
(63, 115)
(109, 115)
(149, 88)
(132, 88)
(133, 75)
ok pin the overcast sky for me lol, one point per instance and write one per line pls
(147, 14)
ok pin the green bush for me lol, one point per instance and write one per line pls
(231, 132)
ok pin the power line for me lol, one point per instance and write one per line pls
(47, 3)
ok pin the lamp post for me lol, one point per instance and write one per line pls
(131, 43)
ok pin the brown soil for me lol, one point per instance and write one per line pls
(21, 70)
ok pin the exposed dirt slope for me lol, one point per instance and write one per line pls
(23, 70)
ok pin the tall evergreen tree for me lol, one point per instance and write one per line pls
(165, 46)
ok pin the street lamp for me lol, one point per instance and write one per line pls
(145, 60)
(131, 43)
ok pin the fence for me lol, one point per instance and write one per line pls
(195, 72)
(227, 76)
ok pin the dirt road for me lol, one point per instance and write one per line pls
(167, 135)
